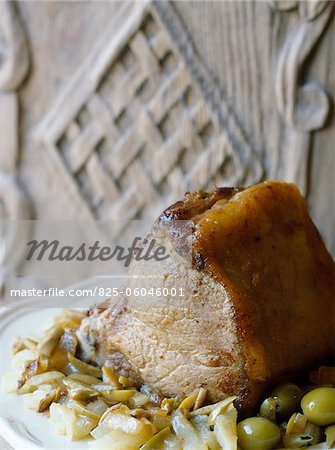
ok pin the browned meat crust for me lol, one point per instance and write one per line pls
(259, 300)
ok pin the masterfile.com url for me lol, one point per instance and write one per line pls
(99, 291)
(54, 292)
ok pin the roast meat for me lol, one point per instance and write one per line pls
(258, 305)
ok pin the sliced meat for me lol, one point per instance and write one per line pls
(258, 299)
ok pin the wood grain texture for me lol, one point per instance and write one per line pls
(138, 124)
(241, 43)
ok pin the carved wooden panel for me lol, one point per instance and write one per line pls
(255, 50)
(305, 107)
(14, 63)
(170, 97)
(135, 127)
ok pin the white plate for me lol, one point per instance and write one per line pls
(20, 427)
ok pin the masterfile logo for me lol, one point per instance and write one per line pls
(140, 249)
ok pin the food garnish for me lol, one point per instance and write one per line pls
(84, 401)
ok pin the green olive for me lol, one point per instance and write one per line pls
(268, 409)
(319, 406)
(288, 398)
(257, 433)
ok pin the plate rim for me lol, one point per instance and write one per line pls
(13, 438)
(9, 313)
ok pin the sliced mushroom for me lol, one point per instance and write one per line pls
(84, 368)
(49, 342)
(36, 367)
